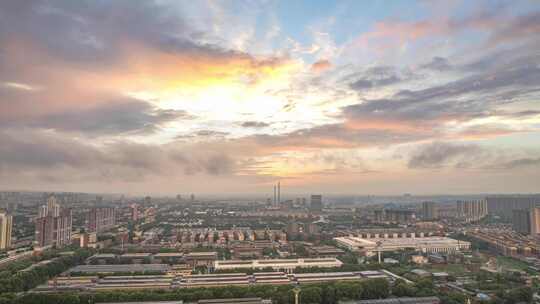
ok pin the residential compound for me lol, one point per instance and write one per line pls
(507, 242)
(193, 237)
(53, 225)
(100, 219)
(382, 243)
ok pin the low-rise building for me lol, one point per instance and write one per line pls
(278, 264)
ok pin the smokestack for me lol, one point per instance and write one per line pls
(274, 194)
(279, 192)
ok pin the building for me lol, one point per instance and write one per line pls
(399, 216)
(324, 251)
(535, 221)
(134, 212)
(6, 223)
(293, 229)
(521, 221)
(316, 203)
(424, 244)
(378, 215)
(404, 300)
(277, 264)
(54, 225)
(87, 240)
(472, 211)
(312, 228)
(197, 259)
(430, 211)
(503, 205)
(100, 219)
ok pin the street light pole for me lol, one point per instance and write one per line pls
(296, 291)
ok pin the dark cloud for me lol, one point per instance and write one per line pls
(31, 152)
(440, 64)
(89, 31)
(107, 118)
(208, 162)
(522, 162)
(440, 154)
(466, 98)
(255, 124)
(522, 27)
(379, 76)
(469, 156)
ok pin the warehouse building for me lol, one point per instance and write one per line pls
(424, 244)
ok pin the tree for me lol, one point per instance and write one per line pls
(348, 290)
(311, 295)
(375, 289)
(403, 289)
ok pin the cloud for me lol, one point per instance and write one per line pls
(321, 65)
(522, 162)
(255, 124)
(440, 64)
(111, 118)
(375, 77)
(38, 153)
(463, 99)
(494, 20)
(439, 154)
(526, 26)
(84, 55)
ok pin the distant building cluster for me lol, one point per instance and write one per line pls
(397, 216)
(503, 205)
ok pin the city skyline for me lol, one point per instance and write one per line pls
(234, 97)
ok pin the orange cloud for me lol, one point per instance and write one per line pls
(321, 65)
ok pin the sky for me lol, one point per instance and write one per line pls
(351, 97)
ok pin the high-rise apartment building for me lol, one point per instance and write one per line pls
(430, 211)
(400, 216)
(53, 225)
(535, 221)
(316, 203)
(100, 219)
(134, 212)
(521, 221)
(6, 222)
(503, 205)
(472, 211)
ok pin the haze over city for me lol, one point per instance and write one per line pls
(363, 97)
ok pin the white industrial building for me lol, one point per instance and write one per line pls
(277, 264)
(432, 244)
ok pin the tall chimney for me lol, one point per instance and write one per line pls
(274, 194)
(278, 193)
